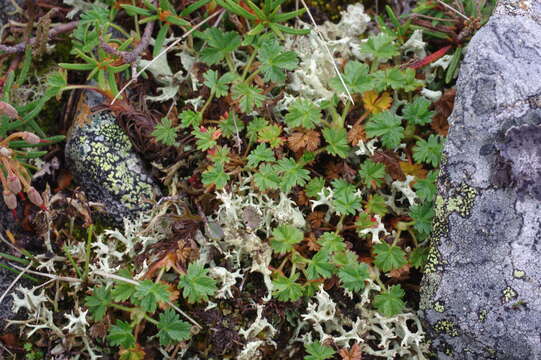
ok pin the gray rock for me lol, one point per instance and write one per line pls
(103, 161)
(481, 294)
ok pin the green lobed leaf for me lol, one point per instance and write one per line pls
(316, 351)
(248, 96)
(196, 285)
(165, 133)
(381, 47)
(422, 214)
(121, 334)
(284, 237)
(98, 302)
(337, 142)
(345, 200)
(148, 294)
(286, 288)
(389, 302)
(172, 329)
(353, 276)
(389, 257)
(260, 154)
(319, 266)
(387, 126)
(372, 173)
(303, 113)
(417, 112)
(429, 151)
(274, 60)
(266, 178)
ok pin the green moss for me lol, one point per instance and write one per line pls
(518, 274)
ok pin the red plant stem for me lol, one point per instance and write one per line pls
(19, 48)
(430, 58)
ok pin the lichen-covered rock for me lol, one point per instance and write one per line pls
(102, 160)
(481, 292)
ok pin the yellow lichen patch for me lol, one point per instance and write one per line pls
(447, 327)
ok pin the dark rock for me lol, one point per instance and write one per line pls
(103, 161)
(481, 292)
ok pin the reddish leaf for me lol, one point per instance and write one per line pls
(353, 353)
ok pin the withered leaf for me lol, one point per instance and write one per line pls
(353, 353)
(391, 162)
(307, 139)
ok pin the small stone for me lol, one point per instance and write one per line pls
(103, 161)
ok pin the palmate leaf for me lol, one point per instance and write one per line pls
(291, 174)
(98, 302)
(215, 175)
(381, 47)
(345, 200)
(417, 112)
(422, 214)
(429, 151)
(274, 60)
(284, 237)
(303, 113)
(389, 257)
(337, 140)
(165, 133)
(148, 294)
(196, 284)
(353, 276)
(218, 85)
(389, 302)
(219, 44)
(248, 97)
(286, 288)
(261, 153)
(121, 334)
(387, 126)
(331, 242)
(316, 351)
(356, 78)
(426, 188)
(172, 329)
(372, 173)
(319, 266)
(266, 178)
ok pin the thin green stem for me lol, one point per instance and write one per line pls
(87, 251)
(230, 63)
(207, 103)
(249, 64)
(72, 261)
(251, 77)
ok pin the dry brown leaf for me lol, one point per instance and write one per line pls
(315, 219)
(353, 353)
(391, 162)
(401, 273)
(356, 134)
(444, 107)
(302, 199)
(376, 103)
(311, 242)
(300, 140)
(416, 170)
